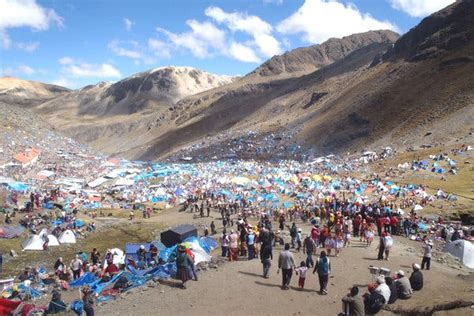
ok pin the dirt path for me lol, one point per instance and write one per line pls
(237, 288)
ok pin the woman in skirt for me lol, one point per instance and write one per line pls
(329, 244)
(183, 263)
(369, 236)
(347, 236)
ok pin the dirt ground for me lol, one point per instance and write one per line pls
(238, 288)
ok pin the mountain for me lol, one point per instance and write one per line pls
(146, 90)
(28, 93)
(417, 91)
(308, 59)
(113, 116)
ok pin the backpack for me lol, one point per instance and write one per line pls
(323, 266)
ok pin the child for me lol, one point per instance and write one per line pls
(301, 270)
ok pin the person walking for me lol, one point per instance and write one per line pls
(309, 248)
(323, 267)
(286, 263)
(266, 257)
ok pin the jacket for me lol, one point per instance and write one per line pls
(416, 280)
(286, 260)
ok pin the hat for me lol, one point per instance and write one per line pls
(299, 229)
(416, 266)
(142, 247)
(401, 273)
(181, 248)
(371, 287)
(380, 279)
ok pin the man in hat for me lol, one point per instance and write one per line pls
(382, 288)
(373, 301)
(427, 252)
(416, 278)
(403, 286)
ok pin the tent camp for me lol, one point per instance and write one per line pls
(52, 240)
(177, 234)
(33, 242)
(67, 237)
(462, 249)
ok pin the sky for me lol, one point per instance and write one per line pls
(76, 43)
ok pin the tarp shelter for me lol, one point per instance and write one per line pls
(462, 249)
(177, 234)
(11, 231)
(67, 237)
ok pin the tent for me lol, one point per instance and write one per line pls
(53, 241)
(177, 234)
(417, 207)
(33, 242)
(67, 237)
(11, 231)
(462, 249)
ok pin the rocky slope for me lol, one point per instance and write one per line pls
(146, 90)
(26, 93)
(308, 59)
(423, 85)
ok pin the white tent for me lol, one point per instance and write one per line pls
(33, 242)
(418, 207)
(67, 237)
(462, 249)
(53, 241)
(240, 180)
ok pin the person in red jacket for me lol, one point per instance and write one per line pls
(394, 225)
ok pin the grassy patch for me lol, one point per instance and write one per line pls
(115, 236)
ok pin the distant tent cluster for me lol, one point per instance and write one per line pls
(37, 242)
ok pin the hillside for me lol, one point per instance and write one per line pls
(26, 93)
(308, 59)
(359, 101)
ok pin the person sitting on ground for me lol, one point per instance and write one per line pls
(354, 302)
(382, 288)
(56, 305)
(373, 301)
(416, 278)
(153, 252)
(393, 290)
(403, 286)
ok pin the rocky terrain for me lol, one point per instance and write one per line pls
(25, 93)
(366, 90)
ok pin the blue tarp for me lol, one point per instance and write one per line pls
(86, 278)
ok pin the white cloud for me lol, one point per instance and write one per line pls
(25, 13)
(64, 82)
(5, 41)
(278, 2)
(420, 8)
(200, 41)
(319, 20)
(253, 25)
(27, 70)
(128, 24)
(27, 47)
(66, 60)
(243, 53)
(75, 68)
(159, 48)
(20, 70)
(132, 52)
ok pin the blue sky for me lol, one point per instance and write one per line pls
(75, 43)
